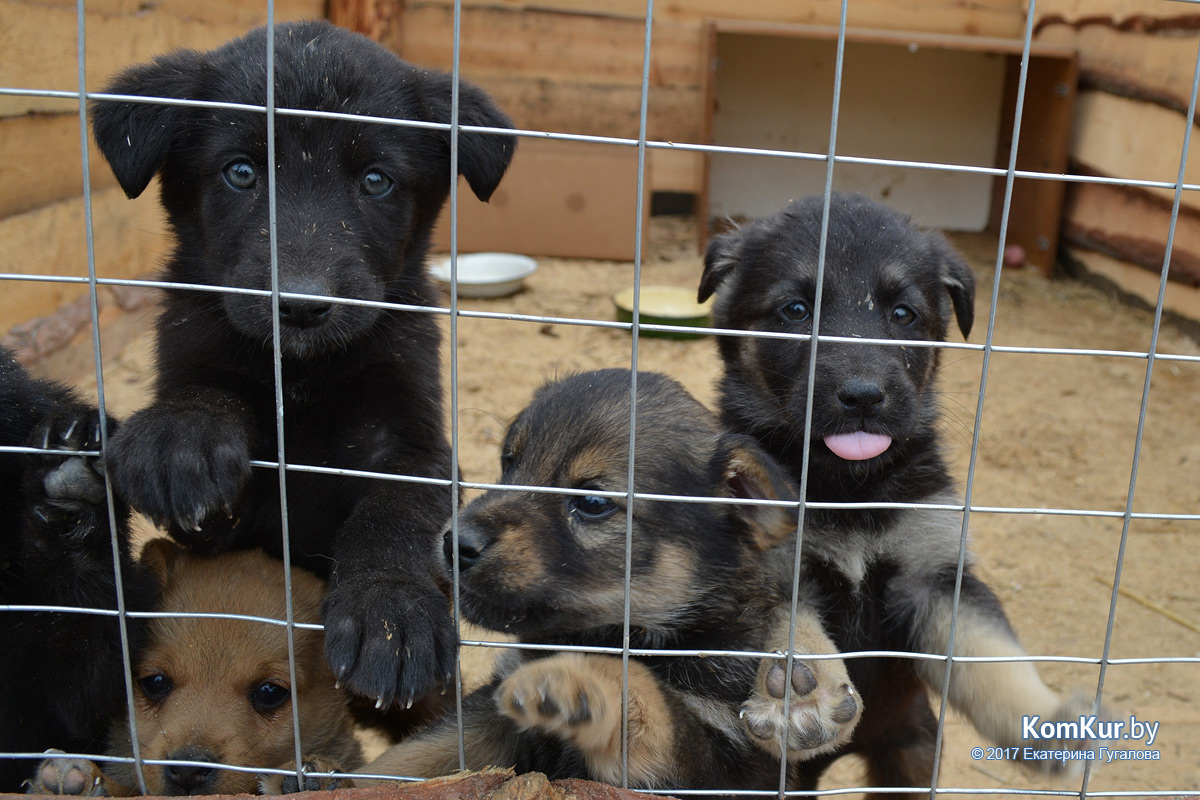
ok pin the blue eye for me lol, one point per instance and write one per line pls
(591, 507)
(269, 696)
(903, 316)
(240, 175)
(156, 687)
(796, 311)
(376, 183)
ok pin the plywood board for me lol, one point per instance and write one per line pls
(931, 105)
(565, 199)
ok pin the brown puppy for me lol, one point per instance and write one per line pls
(549, 567)
(218, 690)
(884, 577)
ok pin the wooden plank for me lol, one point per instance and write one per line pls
(1035, 213)
(1156, 67)
(1133, 226)
(1131, 139)
(38, 40)
(130, 240)
(582, 196)
(674, 115)
(40, 162)
(977, 18)
(553, 47)
(1137, 284)
(912, 39)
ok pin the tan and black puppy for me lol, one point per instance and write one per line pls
(218, 691)
(884, 578)
(549, 567)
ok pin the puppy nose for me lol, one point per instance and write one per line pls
(471, 546)
(304, 313)
(184, 779)
(860, 397)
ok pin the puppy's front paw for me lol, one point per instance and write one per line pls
(390, 641)
(67, 490)
(73, 776)
(563, 697)
(316, 770)
(821, 714)
(184, 468)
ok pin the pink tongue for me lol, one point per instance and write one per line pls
(857, 446)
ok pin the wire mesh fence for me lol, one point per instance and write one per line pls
(832, 159)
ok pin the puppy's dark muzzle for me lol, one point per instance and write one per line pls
(472, 544)
(184, 779)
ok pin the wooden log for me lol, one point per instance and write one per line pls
(130, 240)
(1124, 14)
(1155, 67)
(1132, 226)
(1181, 304)
(39, 40)
(1132, 139)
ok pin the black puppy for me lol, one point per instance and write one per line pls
(885, 577)
(356, 202)
(61, 679)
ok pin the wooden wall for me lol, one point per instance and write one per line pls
(576, 65)
(1136, 62)
(41, 178)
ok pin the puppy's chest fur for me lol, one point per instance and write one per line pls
(861, 569)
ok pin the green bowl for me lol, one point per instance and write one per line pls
(665, 305)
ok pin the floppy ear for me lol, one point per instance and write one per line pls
(959, 280)
(161, 556)
(750, 474)
(482, 157)
(136, 137)
(720, 258)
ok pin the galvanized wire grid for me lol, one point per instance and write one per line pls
(1151, 356)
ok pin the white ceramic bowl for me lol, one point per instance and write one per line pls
(486, 274)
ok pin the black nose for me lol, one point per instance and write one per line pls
(304, 313)
(182, 779)
(860, 396)
(471, 546)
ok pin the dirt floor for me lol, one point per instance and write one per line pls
(1058, 432)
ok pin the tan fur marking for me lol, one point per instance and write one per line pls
(993, 695)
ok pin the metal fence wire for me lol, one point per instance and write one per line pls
(832, 161)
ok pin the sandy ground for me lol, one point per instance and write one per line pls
(1057, 432)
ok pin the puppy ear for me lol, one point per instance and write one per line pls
(959, 280)
(161, 556)
(720, 257)
(482, 157)
(136, 137)
(750, 474)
